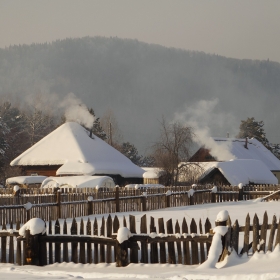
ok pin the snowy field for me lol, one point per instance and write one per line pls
(258, 266)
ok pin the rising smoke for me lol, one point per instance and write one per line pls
(201, 117)
(76, 111)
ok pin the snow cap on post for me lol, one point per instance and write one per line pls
(35, 225)
(123, 234)
(27, 206)
(168, 193)
(240, 186)
(222, 216)
(214, 189)
(190, 192)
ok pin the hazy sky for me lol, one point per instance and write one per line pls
(237, 28)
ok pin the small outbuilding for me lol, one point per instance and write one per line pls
(25, 181)
(99, 183)
(153, 175)
(233, 172)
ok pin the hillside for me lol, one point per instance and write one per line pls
(142, 82)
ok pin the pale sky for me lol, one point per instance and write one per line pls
(238, 28)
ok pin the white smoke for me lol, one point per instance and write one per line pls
(201, 117)
(76, 111)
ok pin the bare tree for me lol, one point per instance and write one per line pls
(110, 125)
(172, 148)
(39, 119)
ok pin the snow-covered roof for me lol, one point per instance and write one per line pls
(243, 171)
(255, 150)
(26, 180)
(152, 172)
(78, 182)
(71, 146)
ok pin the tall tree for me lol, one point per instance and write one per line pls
(172, 148)
(12, 138)
(252, 128)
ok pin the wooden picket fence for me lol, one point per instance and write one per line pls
(90, 242)
(57, 205)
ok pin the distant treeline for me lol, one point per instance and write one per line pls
(142, 82)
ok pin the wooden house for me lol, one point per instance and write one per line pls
(71, 150)
(241, 149)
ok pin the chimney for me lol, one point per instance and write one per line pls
(246, 143)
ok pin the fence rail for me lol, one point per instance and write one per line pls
(69, 205)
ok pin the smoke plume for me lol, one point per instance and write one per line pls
(76, 111)
(201, 117)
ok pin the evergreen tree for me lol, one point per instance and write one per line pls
(275, 149)
(97, 128)
(253, 129)
(131, 152)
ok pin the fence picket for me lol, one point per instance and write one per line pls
(109, 226)
(201, 244)
(57, 247)
(186, 246)
(170, 245)
(193, 229)
(235, 236)
(89, 249)
(102, 247)
(133, 251)
(144, 245)
(264, 232)
(246, 235)
(74, 244)
(50, 244)
(65, 244)
(179, 247)
(95, 232)
(271, 235)
(162, 251)
(82, 244)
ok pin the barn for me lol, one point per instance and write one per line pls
(71, 150)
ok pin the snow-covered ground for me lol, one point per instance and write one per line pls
(258, 266)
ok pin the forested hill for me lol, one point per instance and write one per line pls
(141, 82)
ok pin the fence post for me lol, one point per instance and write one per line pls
(27, 206)
(191, 193)
(223, 222)
(122, 254)
(90, 205)
(240, 192)
(167, 199)
(32, 249)
(144, 201)
(117, 199)
(58, 201)
(122, 246)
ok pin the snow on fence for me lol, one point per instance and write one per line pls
(160, 242)
(71, 204)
